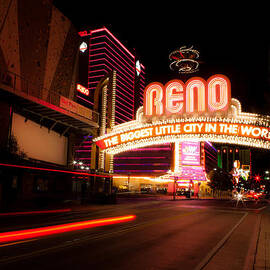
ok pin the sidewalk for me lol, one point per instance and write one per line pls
(262, 257)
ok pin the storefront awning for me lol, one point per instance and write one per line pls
(46, 104)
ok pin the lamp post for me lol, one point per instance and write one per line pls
(129, 180)
(174, 187)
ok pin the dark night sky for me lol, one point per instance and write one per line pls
(233, 41)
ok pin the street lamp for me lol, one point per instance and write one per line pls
(174, 187)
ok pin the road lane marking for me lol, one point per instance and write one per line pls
(219, 245)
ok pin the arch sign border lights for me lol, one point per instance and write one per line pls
(197, 110)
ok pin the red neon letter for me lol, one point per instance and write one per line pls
(219, 92)
(153, 96)
(174, 96)
(193, 104)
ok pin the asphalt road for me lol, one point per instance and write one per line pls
(187, 234)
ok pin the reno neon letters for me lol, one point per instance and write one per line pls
(194, 96)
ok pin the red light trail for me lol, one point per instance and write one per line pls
(43, 231)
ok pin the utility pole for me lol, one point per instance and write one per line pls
(174, 188)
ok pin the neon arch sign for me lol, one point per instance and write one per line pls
(197, 110)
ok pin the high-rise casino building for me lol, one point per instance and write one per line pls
(101, 53)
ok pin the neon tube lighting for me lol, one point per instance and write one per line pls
(141, 170)
(97, 70)
(94, 82)
(114, 67)
(68, 227)
(128, 65)
(101, 47)
(88, 101)
(52, 170)
(124, 92)
(105, 29)
(121, 120)
(125, 100)
(119, 86)
(118, 113)
(104, 48)
(126, 83)
(117, 101)
(111, 66)
(104, 41)
(130, 114)
(152, 149)
(122, 110)
(103, 71)
(96, 76)
(139, 157)
(142, 164)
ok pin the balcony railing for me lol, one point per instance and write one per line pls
(18, 85)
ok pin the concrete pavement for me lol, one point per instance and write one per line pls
(262, 258)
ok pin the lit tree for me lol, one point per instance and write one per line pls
(220, 180)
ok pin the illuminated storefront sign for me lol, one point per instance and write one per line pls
(82, 89)
(198, 110)
(74, 107)
(190, 153)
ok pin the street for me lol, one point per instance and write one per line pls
(183, 234)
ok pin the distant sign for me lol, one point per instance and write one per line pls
(138, 67)
(74, 107)
(83, 47)
(82, 89)
(190, 153)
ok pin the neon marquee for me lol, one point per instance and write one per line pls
(206, 128)
(197, 110)
(196, 95)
